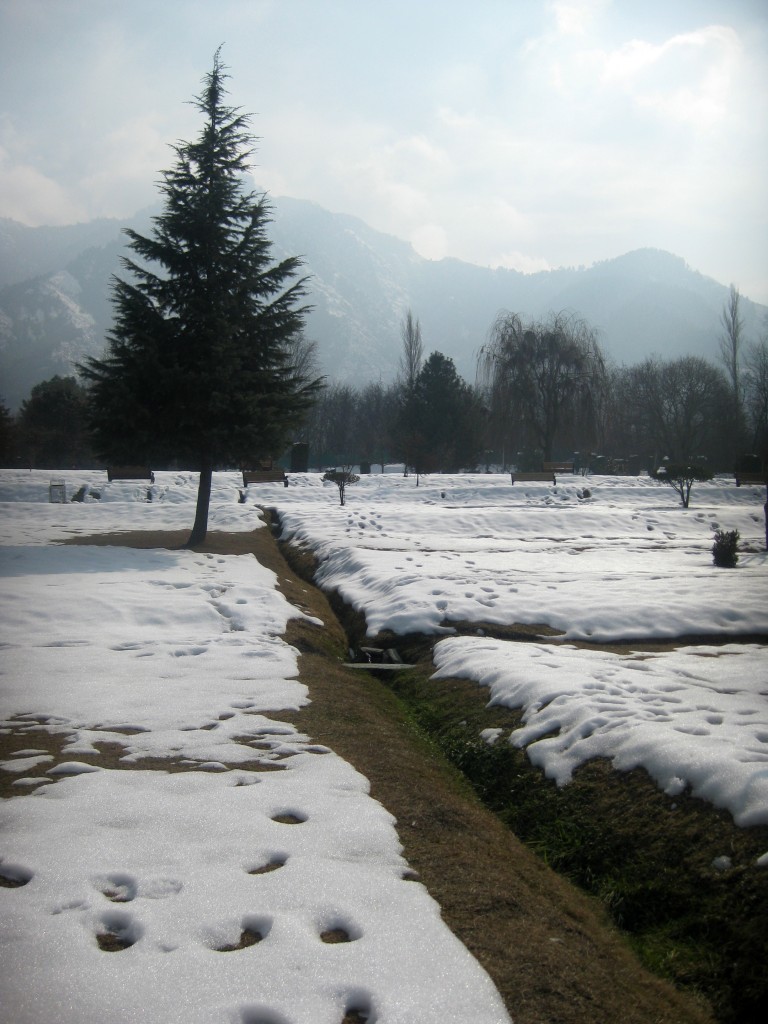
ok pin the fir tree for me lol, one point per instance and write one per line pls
(200, 368)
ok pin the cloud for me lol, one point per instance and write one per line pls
(403, 174)
(687, 78)
(522, 262)
(573, 18)
(127, 163)
(31, 197)
(430, 241)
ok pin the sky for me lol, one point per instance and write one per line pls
(519, 133)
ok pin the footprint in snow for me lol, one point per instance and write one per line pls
(357, 1015)
(289, 818)
(160, 888)
(14, 876)
(225, 939)
(275, 862)
(188, 652)
(337, 929)
(264, 1015)
(117, 930)
(117, 887)
(248, 937)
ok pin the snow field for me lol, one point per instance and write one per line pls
(178, 656)
(626, 562)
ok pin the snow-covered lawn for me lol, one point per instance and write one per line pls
(600, 559)
(627, 562)
(178, 655)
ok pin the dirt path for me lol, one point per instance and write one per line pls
(549, 949)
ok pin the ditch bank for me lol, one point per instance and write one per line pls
(618, 864)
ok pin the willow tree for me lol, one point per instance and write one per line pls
(201, 366)
(539, 377)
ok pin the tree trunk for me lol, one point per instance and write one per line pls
(547, 437)
(200, 527)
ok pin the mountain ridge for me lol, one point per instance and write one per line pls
(55, 297)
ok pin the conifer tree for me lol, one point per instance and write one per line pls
(201, 363)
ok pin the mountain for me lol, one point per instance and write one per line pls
(55, 304)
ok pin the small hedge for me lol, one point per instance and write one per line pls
(724, 551)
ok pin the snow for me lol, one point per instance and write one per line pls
(626, 563)
(696, 717)
(179, 656)
(600, 559)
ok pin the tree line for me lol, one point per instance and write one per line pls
(544, 391)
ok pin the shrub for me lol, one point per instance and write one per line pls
(682, 477)
(724, 550)
(341, 477)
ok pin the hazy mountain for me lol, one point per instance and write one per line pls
(55, 308)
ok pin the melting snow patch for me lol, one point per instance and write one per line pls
(73, 768)
(491, 735)
(722, 863)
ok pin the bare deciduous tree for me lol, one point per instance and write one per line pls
(756, 393)
(304, 356)
(680, 406)
(731, 353)
(413, 351)
(731, 340)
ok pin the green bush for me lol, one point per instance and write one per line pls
(724, 550)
